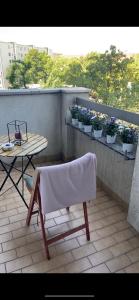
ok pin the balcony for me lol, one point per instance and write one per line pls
(114, 244)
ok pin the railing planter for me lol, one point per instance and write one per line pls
(80, 124)
(74, 122)
(127, 147)
(87, 128)
(98, 133)
(110, 139)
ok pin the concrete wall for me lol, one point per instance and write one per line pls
(43, 111)
(133, 212)
(113, 171)
(67, 100)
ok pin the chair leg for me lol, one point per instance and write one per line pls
(30, 211)
(44, 236)
(86, 221)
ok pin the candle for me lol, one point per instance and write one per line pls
(18, 135)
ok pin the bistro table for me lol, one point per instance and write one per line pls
(34, 145)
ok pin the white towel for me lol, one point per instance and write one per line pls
(68, 184)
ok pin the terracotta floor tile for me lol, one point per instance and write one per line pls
(83, 251)
(99, 269)
(113, 245)
(134, 268)
(78, 266)
(7, 256)
(134, 255)
(2, 268)
(120, 248)
(100, 257)
(118, 263)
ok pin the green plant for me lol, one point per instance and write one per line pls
(74, 112)
(87, 118)
(80, 116)
(129, 135)
(98, 123)
(111, 128)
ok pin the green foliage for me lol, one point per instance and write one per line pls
(112, 77)
(111, 127)
(109, 76)
(98, 123)
(74, 112)
(18, 74)
(129, 135)
(35, 68)
(40, 65)
(57, 75)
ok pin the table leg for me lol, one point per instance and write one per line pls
(9, 176)
(8, 172)
(23, 170)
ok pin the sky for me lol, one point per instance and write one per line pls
(74, 40)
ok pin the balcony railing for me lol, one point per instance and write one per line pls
(45, 111)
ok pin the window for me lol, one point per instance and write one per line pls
(9, 54)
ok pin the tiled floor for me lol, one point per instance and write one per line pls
(114, 245)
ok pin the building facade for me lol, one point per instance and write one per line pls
(10, 51)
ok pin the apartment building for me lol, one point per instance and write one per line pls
(10, 51)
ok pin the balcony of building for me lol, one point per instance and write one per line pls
(114, 243)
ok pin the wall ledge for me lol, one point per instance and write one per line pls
(10, 92)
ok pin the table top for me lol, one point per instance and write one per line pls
(35, 144)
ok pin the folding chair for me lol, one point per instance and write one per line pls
(61, 186)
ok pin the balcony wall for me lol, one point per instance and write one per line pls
(114, 170)
(43, 110)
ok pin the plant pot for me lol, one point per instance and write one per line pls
(87, 128)
(98, 133)
(80, 124)
(74, 122)
(127, 147)
(111, 139)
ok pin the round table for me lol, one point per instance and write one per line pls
(34, 145)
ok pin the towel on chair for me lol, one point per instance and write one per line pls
(68, 184)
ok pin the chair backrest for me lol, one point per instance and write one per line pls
(67, 184)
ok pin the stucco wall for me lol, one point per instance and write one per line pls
(112, 169)
(44, 111)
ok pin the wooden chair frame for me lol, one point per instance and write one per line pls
(36, 198)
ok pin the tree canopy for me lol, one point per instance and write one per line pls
(112, 76)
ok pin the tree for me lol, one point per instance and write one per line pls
(40, 65)
(109, 75)
(57, 76)
(18, 74)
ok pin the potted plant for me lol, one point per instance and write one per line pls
(97, 123)
(74, 114)
(87, 122)
(128, 138)
(80, 118)
(111, 129)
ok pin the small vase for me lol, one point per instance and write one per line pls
(98, 133)
(127, 147)
(111, 139)
(87, 128)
